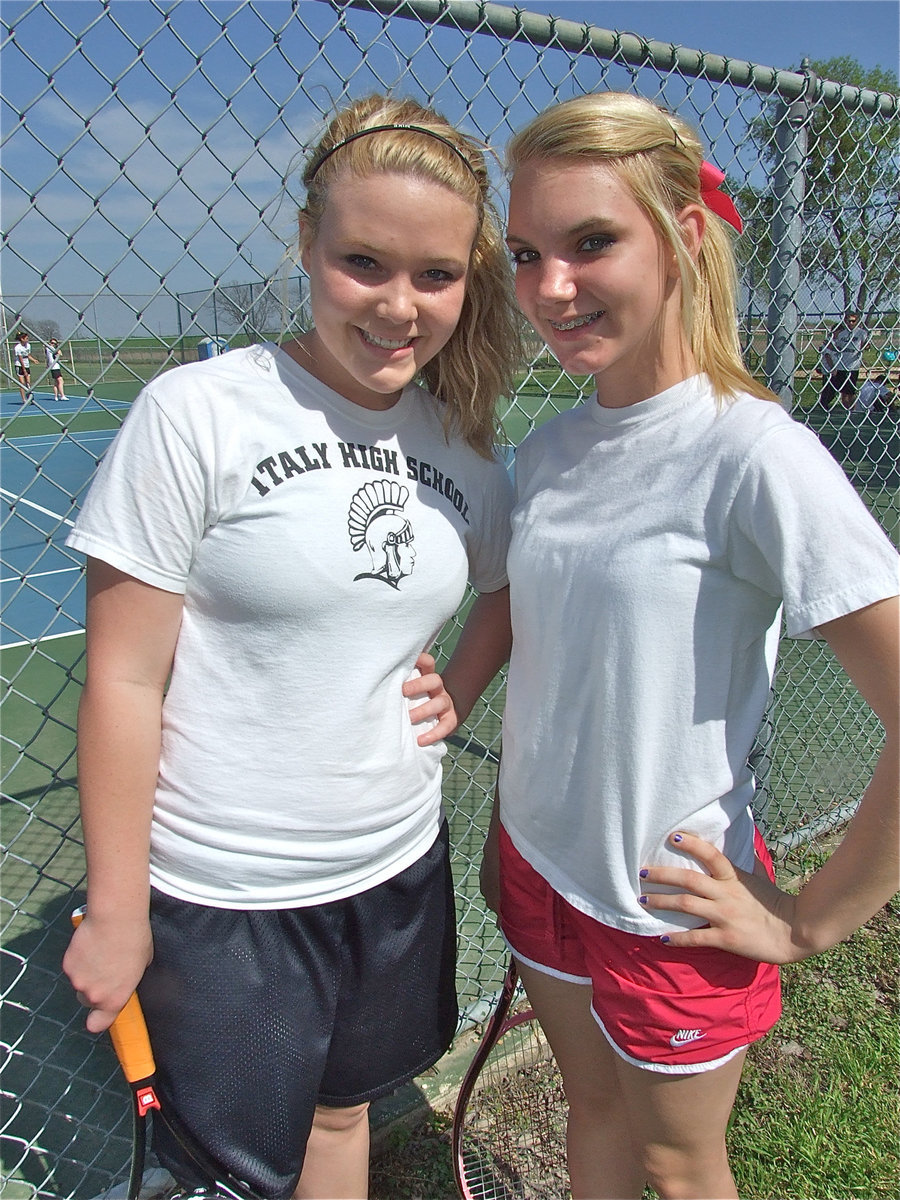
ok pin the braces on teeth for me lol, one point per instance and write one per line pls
(565, 326)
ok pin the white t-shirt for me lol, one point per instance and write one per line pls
(320, 547)
(652, 549)
(871, 391)
(843, 349)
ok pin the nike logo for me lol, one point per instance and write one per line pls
(683, 1036)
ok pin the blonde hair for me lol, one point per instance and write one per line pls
(659, 158)
(478, 363)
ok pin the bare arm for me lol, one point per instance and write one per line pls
(482, 649)
(750, 916)
(132, 629)
(474, 664)
(491, 642)
(864, 871)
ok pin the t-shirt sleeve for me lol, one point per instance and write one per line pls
(146, 510)
(489, 536)
(800, 532)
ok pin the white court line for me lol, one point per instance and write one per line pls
(39, 575)
(58, 435)
(35, 642)
(40, 508)
(52, 439)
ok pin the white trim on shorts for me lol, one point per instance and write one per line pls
(667, 1068)
(660, 1068)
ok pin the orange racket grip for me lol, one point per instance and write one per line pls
(129, 1034)
(132, 1042)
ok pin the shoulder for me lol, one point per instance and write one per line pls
(429, 417)
(542, 454)
(217, 409)
(218, 384)
(553, 431)
(763, 446)
(429, 411)
(748, 421)
(753, 437)
(233, 366)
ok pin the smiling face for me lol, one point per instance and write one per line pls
(388, 266)
(595, 279)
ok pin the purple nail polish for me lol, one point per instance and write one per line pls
(642, 899)
(676, 837)
(664, 938)
(643, 873)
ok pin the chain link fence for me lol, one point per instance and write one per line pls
(150, 186)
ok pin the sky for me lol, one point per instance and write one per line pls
(774, 33)
(150, 147)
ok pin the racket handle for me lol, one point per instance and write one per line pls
(129, 1033)
(132, 1042)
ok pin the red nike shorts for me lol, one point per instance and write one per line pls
(676, 1010)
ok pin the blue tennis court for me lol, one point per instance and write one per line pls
(43, 478)
(40, 401)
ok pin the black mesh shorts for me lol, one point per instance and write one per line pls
(839, 383)
(256, 1017)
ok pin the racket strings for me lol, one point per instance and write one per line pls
(513, 1137)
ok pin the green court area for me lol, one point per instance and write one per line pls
(70, 1096)
(83, 411)
(40, 804)
(41, 423)
(95, 373)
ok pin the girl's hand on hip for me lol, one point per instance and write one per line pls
(437, 706)
(745, 913)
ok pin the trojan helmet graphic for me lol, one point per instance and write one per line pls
(376, 521)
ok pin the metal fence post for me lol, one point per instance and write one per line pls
(789, 189)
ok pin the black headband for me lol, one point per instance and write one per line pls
(383, 129)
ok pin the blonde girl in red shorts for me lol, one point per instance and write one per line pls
(661, 531)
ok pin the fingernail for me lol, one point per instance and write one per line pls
(677, 837)
(642, 899)
(643, 873)
(664, 938)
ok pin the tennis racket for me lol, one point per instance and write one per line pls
(131, 1042)
(509, 1124)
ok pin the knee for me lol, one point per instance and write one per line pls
(588, 1091)
(591, 1106)
(676, 1172)
(340, 1120)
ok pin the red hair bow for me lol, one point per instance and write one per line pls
(711, 179)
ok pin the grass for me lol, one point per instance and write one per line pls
(415, 1164)
(818, 1109)
(817, 1113)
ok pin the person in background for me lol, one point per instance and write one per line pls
(55, 368)
(22, 354)
(280, 533)
(660, 530)
(875, 395)
(841, 359)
